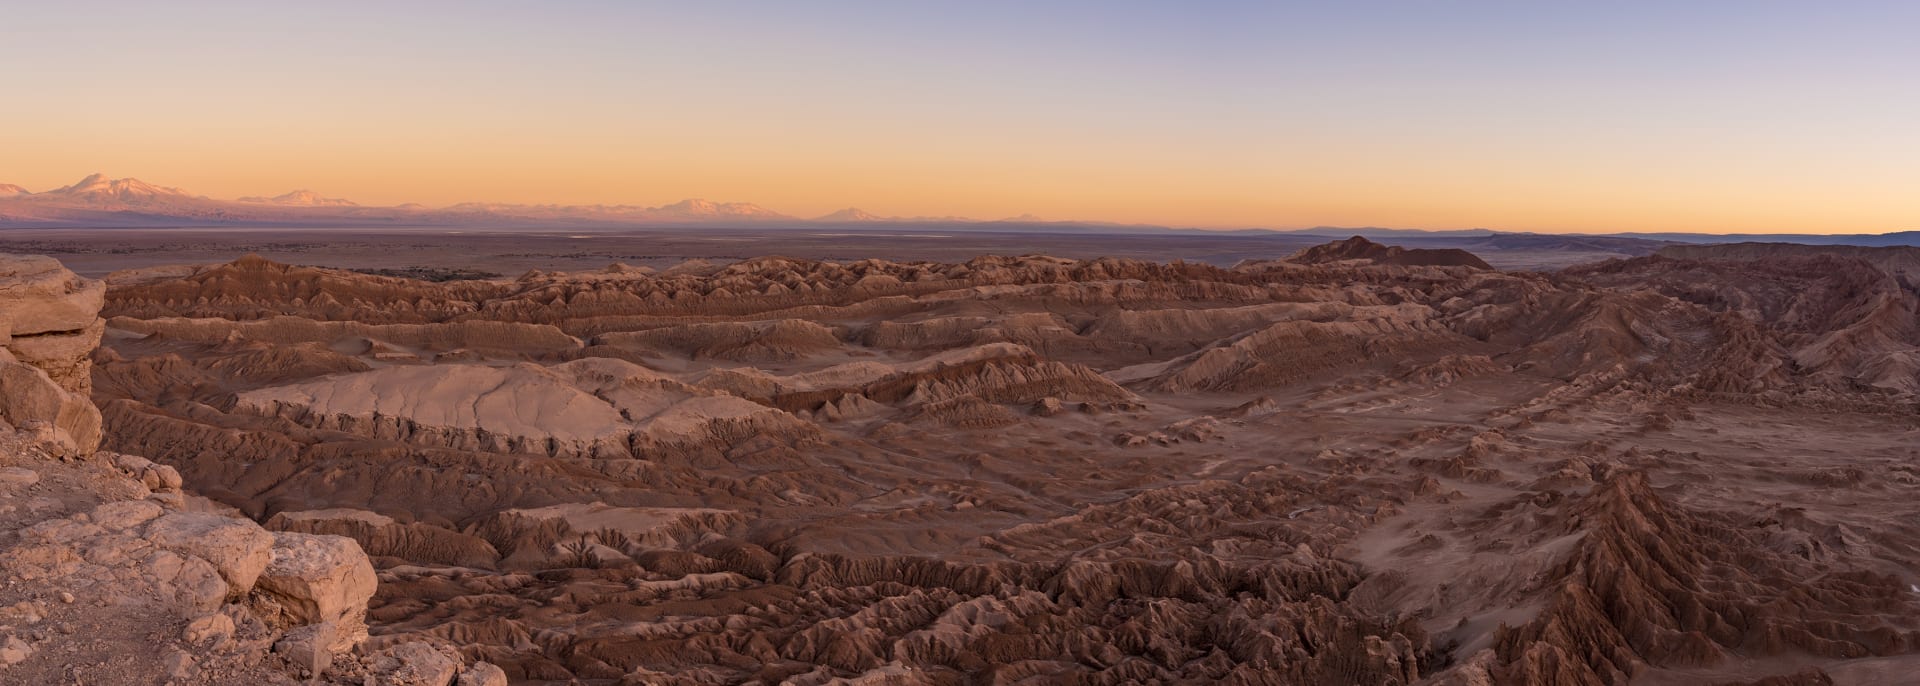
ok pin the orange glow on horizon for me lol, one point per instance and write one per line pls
(1257, 116)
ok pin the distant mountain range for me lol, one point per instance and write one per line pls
(98, 201)
(102, 202)
(301, 199)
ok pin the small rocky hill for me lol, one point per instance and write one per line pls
(1361, 250)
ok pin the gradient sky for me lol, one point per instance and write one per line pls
(1539, 115)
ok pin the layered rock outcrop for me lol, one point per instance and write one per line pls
(49, 326)
(595, 407)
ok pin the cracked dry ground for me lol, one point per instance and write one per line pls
(1354, 466)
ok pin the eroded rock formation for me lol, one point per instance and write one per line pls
(49, 326)
(1355, 465)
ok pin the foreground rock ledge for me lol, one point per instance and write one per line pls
(111, 574)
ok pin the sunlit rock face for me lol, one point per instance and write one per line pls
(49, 326)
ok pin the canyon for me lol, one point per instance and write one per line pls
(1345, 463)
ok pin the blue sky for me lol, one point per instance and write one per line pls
(1735, 116)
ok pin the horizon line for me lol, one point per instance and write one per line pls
(328, 203)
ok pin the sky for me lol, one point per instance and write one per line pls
(1527, 116)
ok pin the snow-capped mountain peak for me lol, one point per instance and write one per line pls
(695, 207)
(99, 200)
(851, 214)
(302, 198)
(100, 187)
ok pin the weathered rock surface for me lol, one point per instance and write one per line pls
(49, 327)
(309, 649)
(415, 664)
(482, 674)
(314, 579)
(1359, 465)
(113, 574)
(109, 604)
(39, 296)
(239, 549)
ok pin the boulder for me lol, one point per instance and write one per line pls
(18, 477)
(211, 630)
(156, 477)
(483, 674)
(178, 665)
(312, 579)
(192, 582)
(1048, 407)
(28, 395)
(39, 296)
(14, 651)
(125, 514)
(415, 663)
(238, 548)
(308, 648)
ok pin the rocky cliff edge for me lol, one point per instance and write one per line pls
(112, 573)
